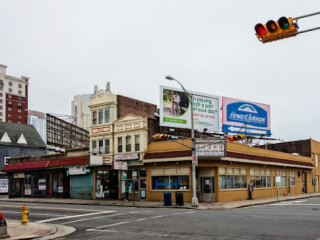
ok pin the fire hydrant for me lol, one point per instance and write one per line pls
(25, 213)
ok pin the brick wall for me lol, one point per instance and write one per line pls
(302, 147)
(129, 105)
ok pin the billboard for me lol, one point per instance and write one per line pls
(240, 116)
(175, 110)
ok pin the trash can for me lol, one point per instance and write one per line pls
(167, 198)
(179, 199)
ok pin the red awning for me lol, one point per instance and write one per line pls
(26, 165)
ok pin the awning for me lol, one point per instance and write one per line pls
(26, 165)
(52, 163)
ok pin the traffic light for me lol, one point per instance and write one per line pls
(237, 137)
(273, 31)
(163, 137)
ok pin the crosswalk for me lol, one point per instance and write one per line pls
(295, 203)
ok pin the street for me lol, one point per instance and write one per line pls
(298, 219)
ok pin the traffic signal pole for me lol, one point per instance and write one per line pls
(195, 202)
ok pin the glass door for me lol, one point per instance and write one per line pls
(207, 189)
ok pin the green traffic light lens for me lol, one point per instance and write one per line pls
(283, 23)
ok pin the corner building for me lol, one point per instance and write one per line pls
(220, 179)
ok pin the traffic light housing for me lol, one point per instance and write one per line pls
(273, 30)
(164, 137)
(237, 137)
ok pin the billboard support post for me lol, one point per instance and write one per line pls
(194, 189)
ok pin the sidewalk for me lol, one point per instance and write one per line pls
(51, 231)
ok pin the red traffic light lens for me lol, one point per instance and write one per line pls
(271, 26)
(231, 139)
(283, 23)
(260, 30)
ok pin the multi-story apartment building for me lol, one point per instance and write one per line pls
(13, 97)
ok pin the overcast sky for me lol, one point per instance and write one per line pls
(67, 47)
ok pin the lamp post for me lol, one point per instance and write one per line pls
(194, 182)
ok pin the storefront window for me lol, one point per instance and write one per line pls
(232, 178)
(170, 182)
(129, 177)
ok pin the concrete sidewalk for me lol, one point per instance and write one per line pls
(32, 230)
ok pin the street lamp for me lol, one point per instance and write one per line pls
(194, 182)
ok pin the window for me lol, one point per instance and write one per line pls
(129, 177)
(9, 115)
(94, 117)
(1, 94)
(9, 109)
(107, 146)
(1, 107)
(9, 102)
(19, 116)
(10, 90)
(20, 85)
(107, 115)
(137, 143)
(283, 180)
(232, 178)
(9, 96)
(100, 146)
(19, 110)
(19, 92)
(128, 143)
(260, 178)
(19, 104)
(1, 113)
(6, 161)
(119, 144)
(100, 116)
(170, 182)
(317, 160)
(94, 146)
(1, 120)
(292, 179)
(10, 84)
(20, 98)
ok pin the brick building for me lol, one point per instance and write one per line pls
(13, 97)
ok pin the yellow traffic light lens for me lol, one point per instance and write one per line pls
(283, 23)
(271, 26)
(260, 30)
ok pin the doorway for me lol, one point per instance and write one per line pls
(207, 189)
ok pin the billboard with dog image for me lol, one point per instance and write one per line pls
(175, 110)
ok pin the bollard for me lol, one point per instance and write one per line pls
(25, 213)
(3, 227)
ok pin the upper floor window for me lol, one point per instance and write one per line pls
(137, 143)
(106, 146)
(9, 102)
(20, 98)
(19, 116)
(100, 116)
(119, 144)
(107, 115)
(128, 143)
(20, 85)
(94, 117)
(9, 96)
(9, 109)
(19, 92)
(94, 146)
(10, 90)
(10, 84)
(1, 94)
(100, 146)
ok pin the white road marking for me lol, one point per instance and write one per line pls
(74, 216)
(144, 233)
(118, 214)
(141, 219)
(57, 215)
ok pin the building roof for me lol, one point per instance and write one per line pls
(15, 131)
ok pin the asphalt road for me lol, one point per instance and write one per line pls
(299, 219)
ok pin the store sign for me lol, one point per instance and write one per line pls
(210, 148)
(77, 170)
(42, 184)
(119, 165)
(175, 110)
(3, 185)
(60, 189)
(18, 175)
(132, 156)
(240, 116)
